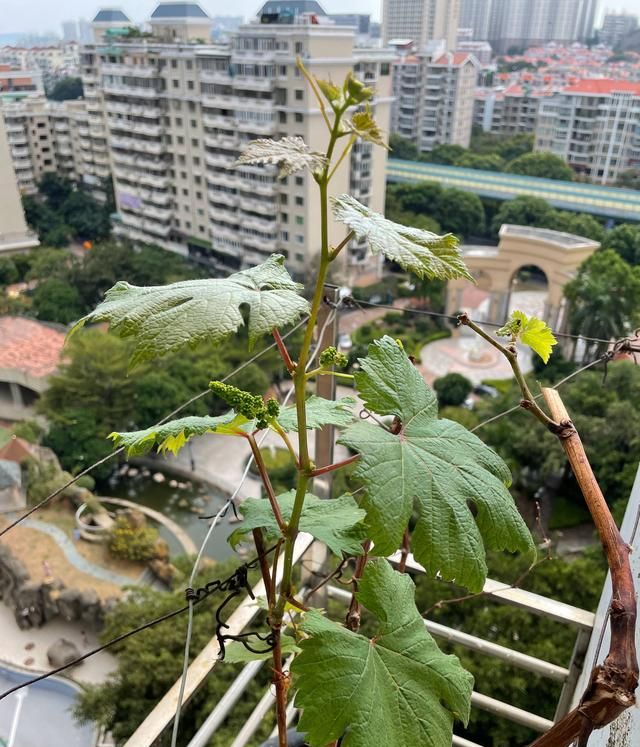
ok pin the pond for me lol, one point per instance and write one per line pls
(181, 500)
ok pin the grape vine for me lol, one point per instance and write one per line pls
(396, 689)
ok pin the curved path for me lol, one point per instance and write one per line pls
(188, 545)
(75, 558)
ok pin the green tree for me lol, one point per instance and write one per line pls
(625, 240)
(604, 297)
(402, 147)
(446, 154)
(488, 162)
(8, 271)
(47, 263)
(541, 164)
(460, 213)
(580, 224)
(522, 211)
(55, 189)
(86, 219)
(452, 389)
(54, 300)
(67, 88)
(629, 179)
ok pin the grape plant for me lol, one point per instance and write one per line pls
(428, 483)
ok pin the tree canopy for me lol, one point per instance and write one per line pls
(452, 389)
(67, 88)
(541, 164)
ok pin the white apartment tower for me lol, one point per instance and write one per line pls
(593, 126)
(421, 21)
(174, 111)
(434, 99)
(14, 234)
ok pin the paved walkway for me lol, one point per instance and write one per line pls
(188, 545)
(74, 557)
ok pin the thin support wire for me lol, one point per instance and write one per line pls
(216, 519)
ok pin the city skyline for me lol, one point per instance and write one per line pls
(40, 16)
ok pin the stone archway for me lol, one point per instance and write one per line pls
(556, 254)
(529, 291)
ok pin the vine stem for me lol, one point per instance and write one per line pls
(612, 684)
(264, 476)
(352, 621)
(336, 465)
(282, 349)
(528, 400)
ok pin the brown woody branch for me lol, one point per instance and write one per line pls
(613, 683)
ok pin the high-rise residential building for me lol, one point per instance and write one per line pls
(17, 83)
(47, 136)
(476, 15)
(617, 25)
(421, 21)
(593, 126)
(14, 234)
(512, 111)
(174, 111)
(521, 23)
(70, 31)
(434, 99)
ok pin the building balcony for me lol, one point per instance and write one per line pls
(248, 83)
(224, 101)
(260, 128)
(215, 76)
(220, 214)
(117, 107)
(259, 224)
(222, 141)
(162, 214)
(149, 112)
(136, 71)
(139, 146)
(151, 180)
(17, 139)
(224, 179)
(217, 160)
(17, 153)
(120, 89)
(265, 207)
(217, 120)
(16, 129)
(22, 164)
(256, 242)
(225, 198)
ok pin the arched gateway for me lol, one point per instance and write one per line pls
(558, 255)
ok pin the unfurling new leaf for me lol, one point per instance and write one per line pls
(396, 689)
(366, 128)
(530, 331)
(291, 154)
(434, 469)
(337, 522)
(424, 253)
(172, 436)
(165, 318)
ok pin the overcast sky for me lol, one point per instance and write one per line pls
(47, 15)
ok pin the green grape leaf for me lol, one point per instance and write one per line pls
(165, 318)
(366, 128)
(320, 412)
(337, 522)
(236, 653)
(433, 467)
(290, 153)
(396, 689)
(332, 93)
(530, 331)
(424, 253)
(172, 436)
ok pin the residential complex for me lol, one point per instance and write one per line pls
(520, 23)
(615, 26)
(421, 21)
(434, 98)
(17, 83)
(52, 62)
(593, 126)
(170, 114)
(509, 111)
(14, 235)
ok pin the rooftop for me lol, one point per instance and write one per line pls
(452, 58)
(604, 86)
(111, 15)
(178, 10)
(16, 450)
(291, 7)
(559, 238)
(30, 346)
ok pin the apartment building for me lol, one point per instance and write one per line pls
(509, 111)
(17, 83)
(593, 126)
(51, 62)
(521, 23)
(421, 21)
(434, 98)
(47, 136)
(14, 234)
(615, 26)
(173, 114)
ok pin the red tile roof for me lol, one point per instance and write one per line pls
(603, 86)
(455, 58)
(17, 450)
(29, 346)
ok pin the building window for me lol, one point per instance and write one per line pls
(196, 161)
(384, 68)
(299, 257)
(194, 123)
(190, 85)
(284, 217)
(299, 220)
(180, 140)
(185, 192)
(175, 82)
(201, 229)
(298, 47)
(174, 64)
(284, 235)
(183, 174)
(284, 199)
(189, 64)
(299, 117)
(299, 200)
(199, 197)
(282, 116)
(178, 121)
(299, 181)
(197, 179)
(283, 69)
(300, 238)
(299, 94)
(182, 160)
(188, 224)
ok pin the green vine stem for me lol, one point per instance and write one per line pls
(509, 351)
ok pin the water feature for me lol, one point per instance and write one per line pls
(183, 501)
